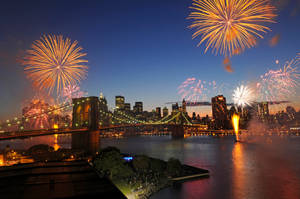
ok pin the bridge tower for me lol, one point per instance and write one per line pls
(85, 112)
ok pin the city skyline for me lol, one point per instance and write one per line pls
(113, 41)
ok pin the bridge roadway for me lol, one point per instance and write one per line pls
(188, 130)
(34, 133)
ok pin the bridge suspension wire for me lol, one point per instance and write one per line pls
(117, 118)
(18, 120)
(188, 121)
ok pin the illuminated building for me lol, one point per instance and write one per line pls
(138, 107)
(291, 112)
(127, 107)
(158, 112)
(165, 112)
(103, 110)
(175, 107)
(219, 112)
(86, 112)
(183, 106)
(263, 111)
(120, 102)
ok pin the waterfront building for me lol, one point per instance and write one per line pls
(158, 112)
(291, 112)
(103, 110)
(165, 112)
(194, 116)
(175, 108)
(138, 107)
(120, 102)
(183, 106)
(263, 111)
(127, 107)
(219, 112)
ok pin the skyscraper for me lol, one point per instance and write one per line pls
(165, 112)
(138, 107)
(183, 106)
(219, 111)
(263, 111)
(103, 109)
(175, 107)
(120, 102)
(158, 112)
(127, 107)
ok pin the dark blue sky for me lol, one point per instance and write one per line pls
(141, 49)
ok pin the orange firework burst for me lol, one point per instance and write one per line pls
(228, 25)
(55, 62)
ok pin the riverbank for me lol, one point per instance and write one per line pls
(140, 176)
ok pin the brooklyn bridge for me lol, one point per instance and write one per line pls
(87, 115)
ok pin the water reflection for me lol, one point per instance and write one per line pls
(89, 142)
(49, 148)
(56, 145)
(239, 186)
(252, 169)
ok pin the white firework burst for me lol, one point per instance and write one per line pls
(243, 96)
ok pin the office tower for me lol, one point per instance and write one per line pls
(103, 109)
(165, 112)
(158, 112)
(183, 106)
(127, 107)
(219, 111)
(120, 102)
(175, 107)
(138, 107)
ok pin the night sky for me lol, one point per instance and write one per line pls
(141, 49)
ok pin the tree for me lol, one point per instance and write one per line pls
(158, 166)
(111, 163)
(141, 163)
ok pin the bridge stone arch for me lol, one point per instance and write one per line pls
(85, 113)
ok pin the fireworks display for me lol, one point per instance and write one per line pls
(243, 96)
(37, 114)
(281, 84)
(72, 91)
(230, 26)
(53, 63)
(196, 90)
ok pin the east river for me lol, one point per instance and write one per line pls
(256, 168)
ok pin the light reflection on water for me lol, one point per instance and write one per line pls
(255, 168)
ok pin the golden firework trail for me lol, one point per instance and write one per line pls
(229, 26)
(55, 62)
